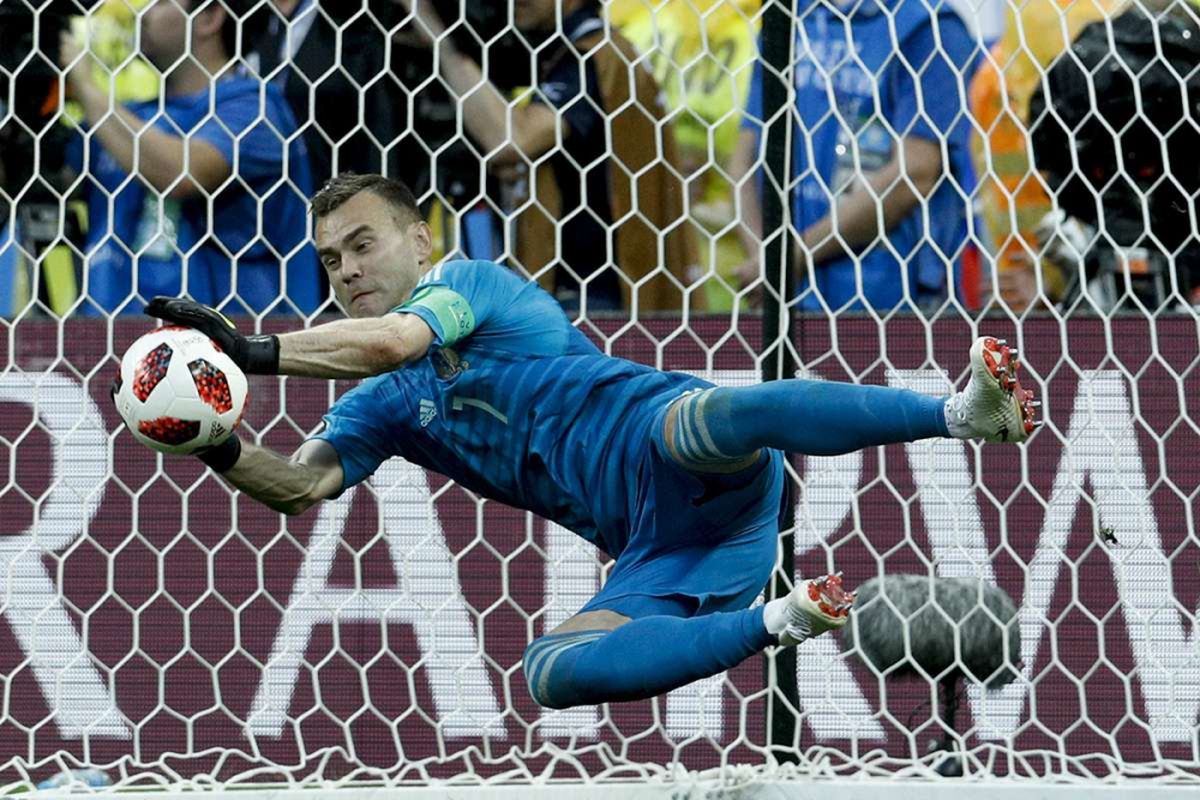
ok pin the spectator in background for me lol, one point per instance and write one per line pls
(347, 114)
(702, 53)
(188, 223)
(882, 138)
(1014, 198)
(589, 212)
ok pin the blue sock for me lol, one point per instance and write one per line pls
(817, 418)
(642, 658)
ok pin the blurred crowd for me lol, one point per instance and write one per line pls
(943, 153)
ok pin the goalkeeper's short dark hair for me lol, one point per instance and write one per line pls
(340, 188)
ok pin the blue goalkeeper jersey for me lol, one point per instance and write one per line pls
(511, 402)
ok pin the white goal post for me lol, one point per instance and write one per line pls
(176, 638)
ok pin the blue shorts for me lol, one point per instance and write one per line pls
(699, 543)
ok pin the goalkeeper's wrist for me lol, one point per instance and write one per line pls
(221, 457)
(261, 355)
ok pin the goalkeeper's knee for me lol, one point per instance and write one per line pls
(548, 666)
(641, 658)
(701, 435)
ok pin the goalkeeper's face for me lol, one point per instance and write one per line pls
(373, 253)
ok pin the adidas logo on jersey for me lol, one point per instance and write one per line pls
(428, 412)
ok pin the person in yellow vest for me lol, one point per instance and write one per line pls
(599, 197)
(702, 53)
(1013, 196)
(112, 35)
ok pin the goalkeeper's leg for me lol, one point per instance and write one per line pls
(654, 654)
(676, 605)
(642, 658)
(714, 427)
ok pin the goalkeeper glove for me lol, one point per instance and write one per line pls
(256, 355)
(221, 457)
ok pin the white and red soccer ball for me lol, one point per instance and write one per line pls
(178, 392)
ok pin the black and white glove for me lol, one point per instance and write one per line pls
(256, 355)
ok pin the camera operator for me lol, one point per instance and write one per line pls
(1118, 109)
(33, 147)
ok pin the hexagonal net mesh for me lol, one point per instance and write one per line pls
(936, 170)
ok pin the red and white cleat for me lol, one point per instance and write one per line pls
(994, 407)
(814, 607)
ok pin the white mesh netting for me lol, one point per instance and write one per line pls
(159, 627)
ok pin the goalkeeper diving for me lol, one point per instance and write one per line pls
(471, 371)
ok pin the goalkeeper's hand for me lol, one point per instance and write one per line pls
(256, 355)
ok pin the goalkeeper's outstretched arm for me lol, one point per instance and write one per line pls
(349, 348)
(354, 348)
(291, 485)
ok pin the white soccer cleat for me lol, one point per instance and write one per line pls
(993, 407)
(815, 606)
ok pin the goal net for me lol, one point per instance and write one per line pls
(932, 171)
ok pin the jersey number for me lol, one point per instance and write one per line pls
(461, 402)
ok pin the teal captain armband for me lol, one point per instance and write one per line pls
(449, 308)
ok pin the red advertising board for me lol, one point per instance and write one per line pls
(153, 617)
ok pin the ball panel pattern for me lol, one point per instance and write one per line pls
(169, 430)
(211, 385)
(242, 411)
(178, 392)
(151, 370)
